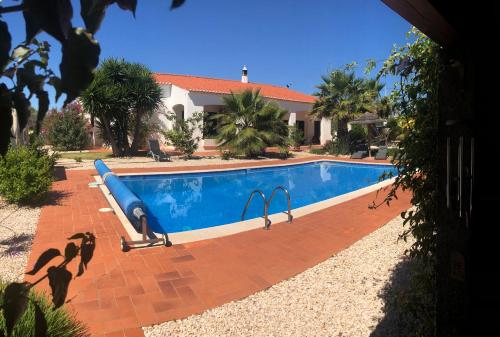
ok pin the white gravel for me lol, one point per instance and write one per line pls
(17, 228)
(338, 297)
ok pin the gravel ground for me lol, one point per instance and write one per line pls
(144, 162)
(338, 297)
(17, 228)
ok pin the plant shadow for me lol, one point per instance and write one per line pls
(15, 295)
(17, 243)
(53, 198)
(394, 321)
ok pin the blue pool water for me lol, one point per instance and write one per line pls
(182, 202)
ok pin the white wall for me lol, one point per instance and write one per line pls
(195, 102)
(172, 95)
(326, 130)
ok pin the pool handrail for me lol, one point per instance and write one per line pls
(267, 203)
(267, 222)
(287, 194)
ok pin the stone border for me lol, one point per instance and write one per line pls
(240, 226)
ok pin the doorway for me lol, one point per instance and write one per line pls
(302, 127)
(317, 132)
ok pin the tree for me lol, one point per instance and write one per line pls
(394, 129)
(67, 130)
(27, 64)
(181, 136)
(343, 96)
(385, 107)
(145, 94)
(248, 123)
(122, 96)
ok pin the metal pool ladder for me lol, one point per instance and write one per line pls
(267, 222)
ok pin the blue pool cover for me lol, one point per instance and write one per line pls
(127, 200)
(187, 201)
(101, 167)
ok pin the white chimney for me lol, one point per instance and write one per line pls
(244, 75)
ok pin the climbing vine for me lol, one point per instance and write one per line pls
(418, 66)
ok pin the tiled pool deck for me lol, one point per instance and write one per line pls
(121, 292)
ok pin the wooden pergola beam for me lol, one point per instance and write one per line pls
(423, 15)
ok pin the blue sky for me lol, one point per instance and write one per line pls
(280, 41)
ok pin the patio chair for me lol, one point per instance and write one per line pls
(381, 154)
(156, 152)
(359, 155)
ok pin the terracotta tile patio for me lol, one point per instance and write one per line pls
(121, 292)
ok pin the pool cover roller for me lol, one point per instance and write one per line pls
(101, 167)
(124, 197)
(131, 205)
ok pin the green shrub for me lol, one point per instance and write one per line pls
(392, 152)
(284, 152)
(66, 130)
(342, 147)
(336, 147)
(60, 322)
(330, 147)
(226, 155)
(181, 136)
(78, 159)
(318, 151)
(26, 173)
(356, 136)
(395, 129)
(296, 137)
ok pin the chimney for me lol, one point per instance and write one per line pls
(244, 75)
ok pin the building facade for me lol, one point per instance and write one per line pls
(184, 95)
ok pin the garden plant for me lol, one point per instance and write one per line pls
(248, 124)
(182, 135)
(67, 130)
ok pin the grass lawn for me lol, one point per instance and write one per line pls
(86, 155)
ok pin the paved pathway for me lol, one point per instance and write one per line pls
(121, 292)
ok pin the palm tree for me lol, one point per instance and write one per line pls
(343, 96)
(385, 107)
(248, 123)
(121, 97)
(146, 98)
(338, 97)
(370, 99)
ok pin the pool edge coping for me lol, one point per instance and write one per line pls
(240, 226)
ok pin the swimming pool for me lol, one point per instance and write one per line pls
(182, 202)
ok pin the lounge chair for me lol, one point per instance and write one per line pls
(381, 154)
(156, 152)
(359, 155)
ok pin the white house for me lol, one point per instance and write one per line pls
(185, 95)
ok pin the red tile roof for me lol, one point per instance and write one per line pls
(222, 86)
